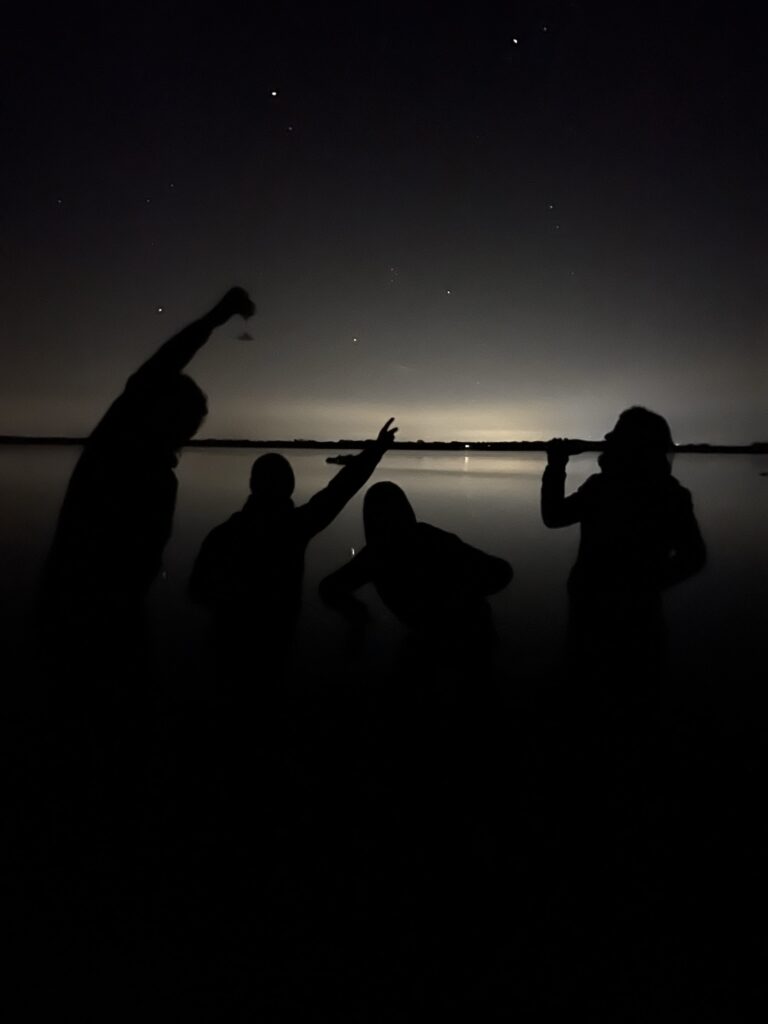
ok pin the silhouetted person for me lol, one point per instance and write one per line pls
(117, 513)
(432, 581)
(442, 710)
(639, 536)
(250, 569)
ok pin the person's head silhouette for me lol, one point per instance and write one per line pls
(387, 513)
(172, 415)
(272, 478)
(639, 444)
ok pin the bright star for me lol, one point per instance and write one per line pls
(273, 92)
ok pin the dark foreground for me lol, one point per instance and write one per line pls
(383, 850)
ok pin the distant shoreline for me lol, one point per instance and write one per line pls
(756, 448)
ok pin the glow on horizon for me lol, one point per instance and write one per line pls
(328, 422)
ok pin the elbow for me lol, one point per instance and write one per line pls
(695, 557)
(500, 577)
(504, 575)
(699, 560)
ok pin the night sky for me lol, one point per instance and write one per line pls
(492, 221)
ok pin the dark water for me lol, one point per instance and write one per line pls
(488, 499)
(357, 850)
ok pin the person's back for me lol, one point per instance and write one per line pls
(117, 513)
(629, 529)
(250, 569)
(639, 535)
(93, 644)
(437, 586)
(114, 523)
(430, 579)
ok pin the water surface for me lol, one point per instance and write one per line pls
(489, 499)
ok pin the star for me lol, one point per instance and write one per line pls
(160, 309)
(515, 41)
(147, 200)
(273, 92)
(447, 291)
(354, 341)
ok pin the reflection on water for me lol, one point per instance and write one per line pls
(489, 499)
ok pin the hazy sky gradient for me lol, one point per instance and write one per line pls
(524, 238)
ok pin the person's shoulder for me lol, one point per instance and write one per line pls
(674, 485)
(225, 530)
(677, 493)
(428, 530)
(594, 484)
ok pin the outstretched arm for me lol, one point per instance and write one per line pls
(556, 509)
(173, 356)
(323, 508)
(486, 574)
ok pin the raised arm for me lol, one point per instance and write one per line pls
(556, 509)
(173, 356)
(324, 506)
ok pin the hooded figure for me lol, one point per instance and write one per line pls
(431, 580)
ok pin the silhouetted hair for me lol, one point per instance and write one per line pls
(386, 512)
(641, 442)
(272, 477)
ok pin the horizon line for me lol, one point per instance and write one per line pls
(349, 443)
